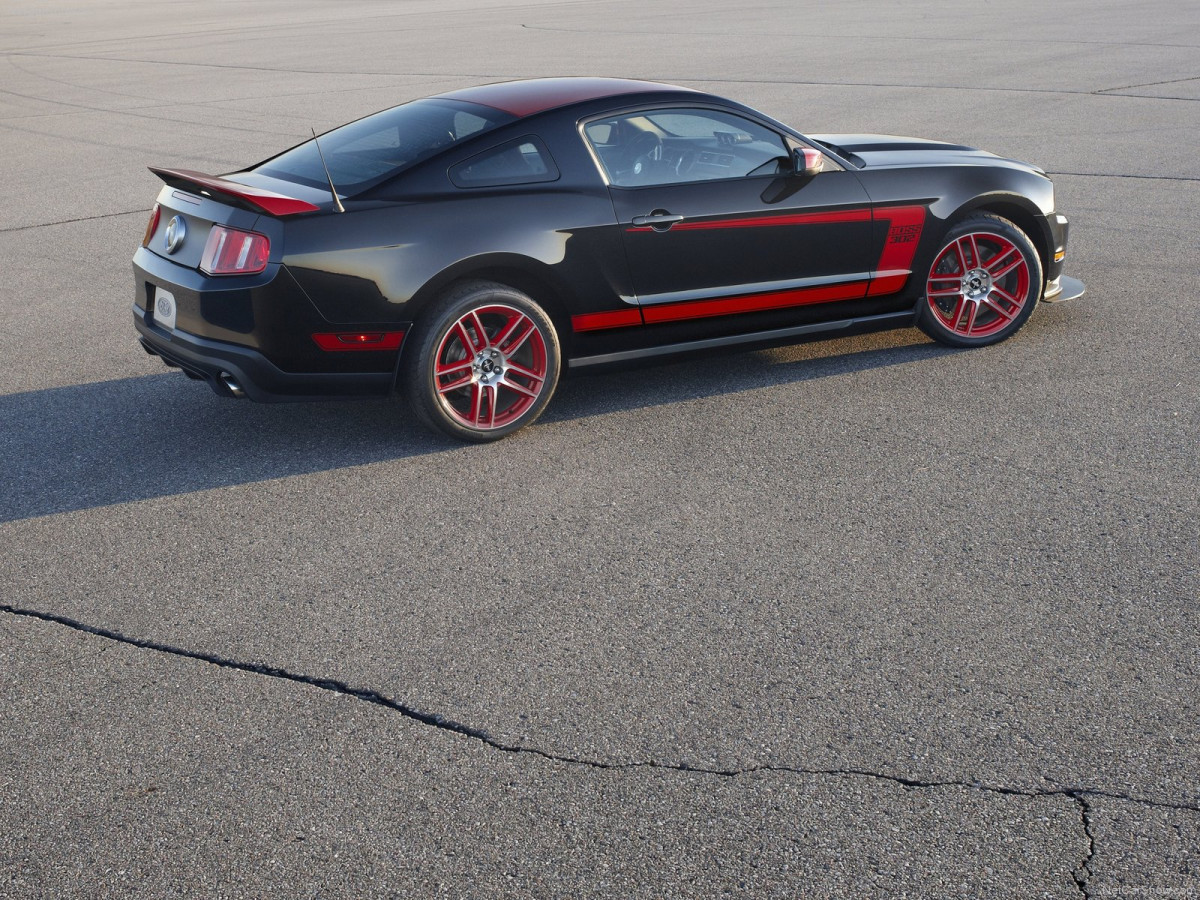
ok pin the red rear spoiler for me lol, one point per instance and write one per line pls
(253, 198)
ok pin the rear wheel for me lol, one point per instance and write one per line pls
(983, 284)
(483, 363)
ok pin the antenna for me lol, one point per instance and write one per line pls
(332, 189)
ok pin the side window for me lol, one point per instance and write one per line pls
(523, 161)
(671, 146)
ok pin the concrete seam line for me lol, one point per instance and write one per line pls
(115, 215)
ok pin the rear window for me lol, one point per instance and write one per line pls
(364, 153)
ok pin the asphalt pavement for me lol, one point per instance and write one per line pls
(860, 618)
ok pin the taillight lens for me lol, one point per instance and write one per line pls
(151, 225)
(233, 252)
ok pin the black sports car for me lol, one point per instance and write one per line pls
(463, 248)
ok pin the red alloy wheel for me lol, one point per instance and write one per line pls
(490, 367)
(978, 285)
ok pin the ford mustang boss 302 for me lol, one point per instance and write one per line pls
(465, 250)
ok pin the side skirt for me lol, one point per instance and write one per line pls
(779, 335)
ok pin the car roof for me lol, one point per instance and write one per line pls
(535, 95)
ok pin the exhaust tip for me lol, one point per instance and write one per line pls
(230, 382)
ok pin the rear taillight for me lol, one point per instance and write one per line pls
(233, 252)
(152, 225)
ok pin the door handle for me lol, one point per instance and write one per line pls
(659, 220)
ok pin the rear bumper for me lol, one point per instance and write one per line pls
(234, 371)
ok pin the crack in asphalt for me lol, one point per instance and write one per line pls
(1079, 795)
(1083, 874)
(447, 724)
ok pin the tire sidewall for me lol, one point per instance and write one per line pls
(983, 223)
(417, 367)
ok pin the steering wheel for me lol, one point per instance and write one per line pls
(644, 150)
(687, 159)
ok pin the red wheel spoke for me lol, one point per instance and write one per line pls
(1001, 255)
(519, 388)
(1012, 265)
(974, 251)
(476, 401)
(520, 338)
(479, 330)
(1006, 297)
(946, 292)
(957, 314)
(451, 368)
(528, 373)
(971, 309)
(465, 336)
(491, 391)
(998, 309)
(455, 385)
(512, 325)
(962, 257)
(972, 312)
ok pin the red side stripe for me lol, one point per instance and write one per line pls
(888, 283)
(617, 318)
(905, 224)
(745, 303)
(831, 217)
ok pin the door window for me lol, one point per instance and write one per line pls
(673, 146)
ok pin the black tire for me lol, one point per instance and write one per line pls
(498, 385)
(984, 282)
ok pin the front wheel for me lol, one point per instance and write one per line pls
(483, 363)
(983, 284)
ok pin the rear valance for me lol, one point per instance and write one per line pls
(251, 198)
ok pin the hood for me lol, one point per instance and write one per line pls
(873, 151)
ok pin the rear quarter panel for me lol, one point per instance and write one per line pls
(386, 259)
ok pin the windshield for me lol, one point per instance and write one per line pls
(364, 153)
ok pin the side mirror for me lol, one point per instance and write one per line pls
(807, 162)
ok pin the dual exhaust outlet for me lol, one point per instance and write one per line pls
(227, 379)
(232, 384)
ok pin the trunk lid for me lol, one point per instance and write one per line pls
(187, 218)
(192, 202)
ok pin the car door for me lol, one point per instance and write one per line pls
(719, 234)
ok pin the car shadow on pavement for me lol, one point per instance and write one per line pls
(110, 442)
(734, 371)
